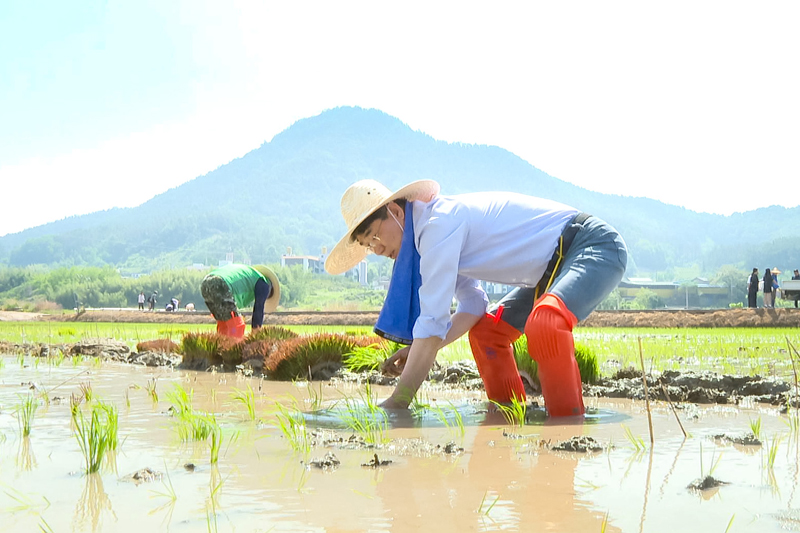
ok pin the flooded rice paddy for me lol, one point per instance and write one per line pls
(457, 465)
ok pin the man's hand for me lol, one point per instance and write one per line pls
(394, 365)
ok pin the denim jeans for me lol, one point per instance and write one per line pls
(592, 268)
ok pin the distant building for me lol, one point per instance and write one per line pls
(316, 265)
(696, 293)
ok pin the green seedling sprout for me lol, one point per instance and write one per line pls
(97, 434)
(515, 412)
(480, 507)
(638, 442)
(150, 387)
(293, 426)
(755, 427)
(86, 391)
(246, 398)
(26, 411)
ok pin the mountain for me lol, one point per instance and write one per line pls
(286, 194)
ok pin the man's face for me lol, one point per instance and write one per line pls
(384, 236)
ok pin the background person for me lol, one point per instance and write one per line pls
(768, 294)
(752, 289)
(153, 300)
(141, 300)
(230, 288)
(562, 261)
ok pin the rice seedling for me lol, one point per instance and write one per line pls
(365, 418)
(772, 452)
(96, 435)
(293, 426)
(730, 523)
(158, 345)
(58, 359)
(315, 397)
(270, 333)
(76, 360)
(247, 399)
(26, 411)
(97, 363)
(181, 400)
(755, 427)
(714, 463)
(86, 391)
(515, 412)
(21, 360)
(638, 442)
(150, 387)
(216, 438)
(483, 501)
(458, 420)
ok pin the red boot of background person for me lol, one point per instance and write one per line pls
(550, 343)
(490, 340)
(233, 327)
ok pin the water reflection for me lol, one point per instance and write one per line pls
(93, 505)
(26, 460)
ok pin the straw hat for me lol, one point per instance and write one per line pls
(776, 271)
(272, 302)
(359, 201)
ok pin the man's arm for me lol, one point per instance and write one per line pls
(420, 360)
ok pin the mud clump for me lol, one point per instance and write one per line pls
(145, 475)
(329, 462)
(708, 482)
(692, 387)
(581, 444)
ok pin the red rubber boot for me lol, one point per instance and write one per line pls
(550, 343)
(490, 341)
(233, 327)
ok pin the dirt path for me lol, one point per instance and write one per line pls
(753, 318)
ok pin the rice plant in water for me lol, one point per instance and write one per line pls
(96, 434)
(150, 387)
(365, 417)
(638, 442)
(514, 412)
(247, 399)
(26, 411)
(293, 426)
(755, 427)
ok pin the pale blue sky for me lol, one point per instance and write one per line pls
(106, 104)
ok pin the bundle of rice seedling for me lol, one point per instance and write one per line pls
(230, 350)
(158, 345)
(587, 361)
(270, 333)
(201, 350)
(297, 358)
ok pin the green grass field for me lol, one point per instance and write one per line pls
(741, 351)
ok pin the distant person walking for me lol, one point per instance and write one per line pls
(796, 276)
(776, 288)
(153, 300)
(752, 289)
(141, 300)
(768, 294)
(230, 288)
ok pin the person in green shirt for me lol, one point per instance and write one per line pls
(229, 288)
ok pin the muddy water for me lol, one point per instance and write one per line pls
(505, 479)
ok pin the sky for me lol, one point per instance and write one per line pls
(693, 103)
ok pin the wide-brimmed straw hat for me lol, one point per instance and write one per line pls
(272, 302)
(776, 271)
(359, 201)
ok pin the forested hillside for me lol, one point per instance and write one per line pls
(286, 194)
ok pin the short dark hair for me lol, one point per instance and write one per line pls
(382, 213)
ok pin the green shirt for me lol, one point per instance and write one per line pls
(242, 281)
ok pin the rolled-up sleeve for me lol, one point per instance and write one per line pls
(439, 243)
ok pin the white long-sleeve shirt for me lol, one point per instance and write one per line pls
(495, 236)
